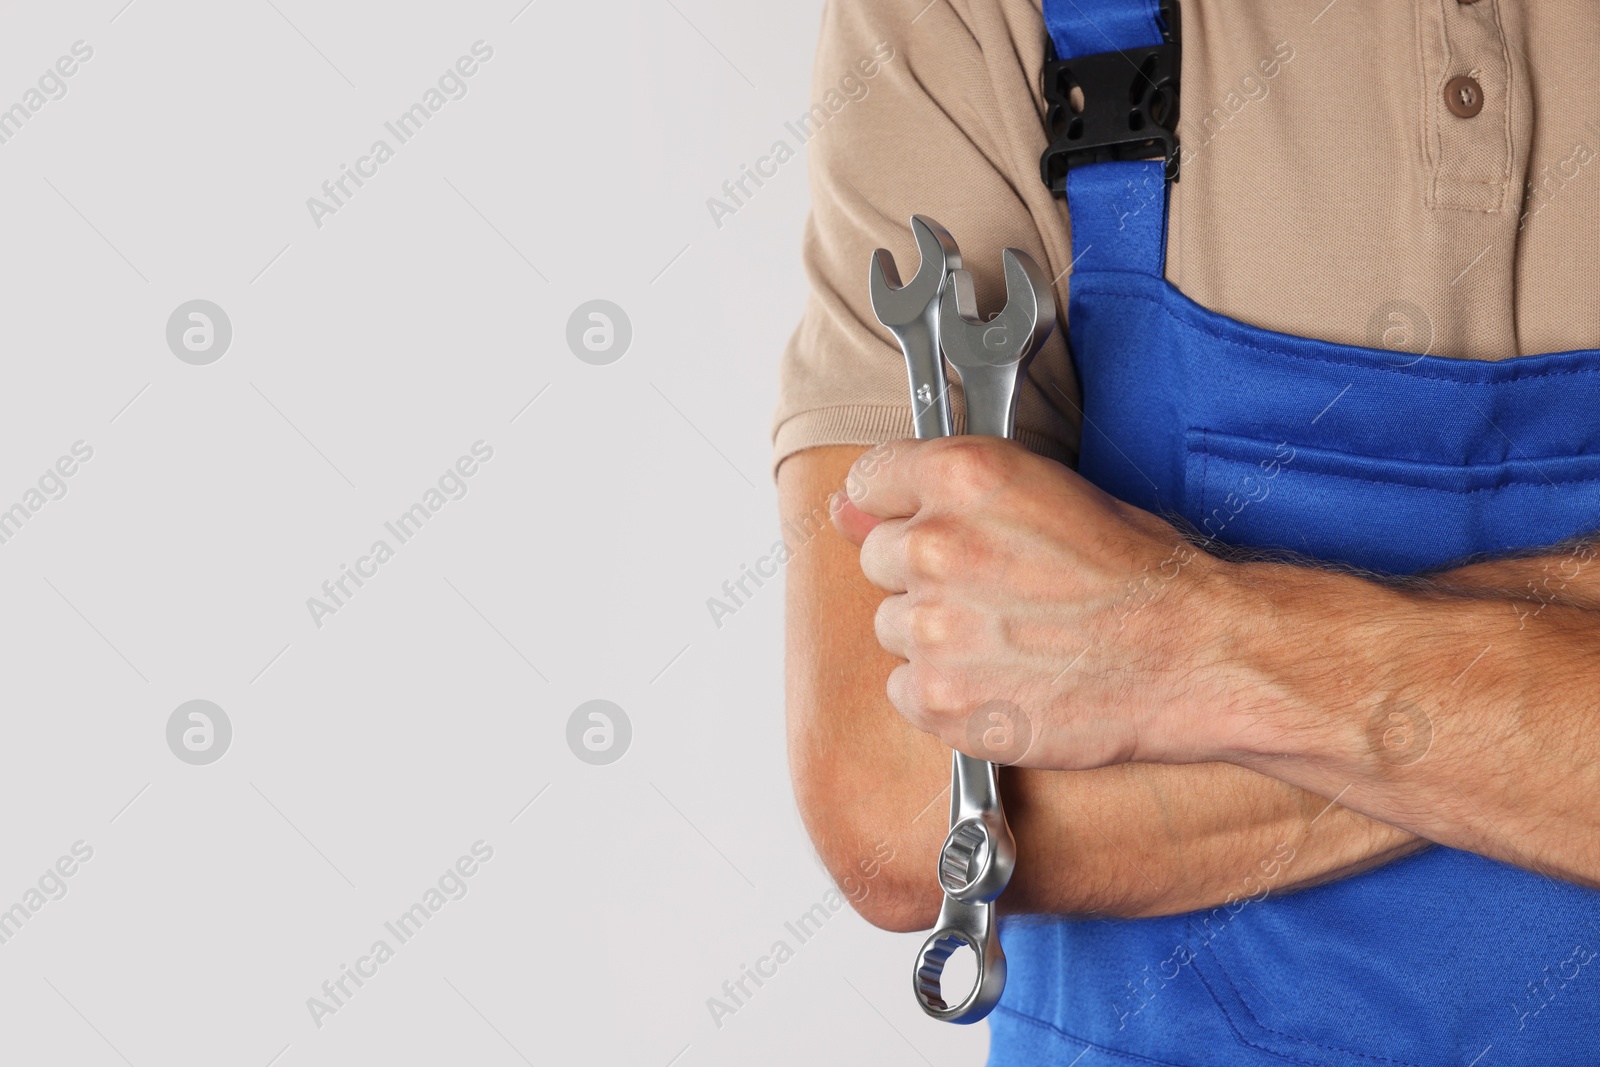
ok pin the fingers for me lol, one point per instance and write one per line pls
(902, 691)
(851, 522)
(936, 636)
(883, 556)
(889, 626)
(854, 522)
(901, 478)
(882, 482)
(924, 698)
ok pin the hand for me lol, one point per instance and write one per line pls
(1017, 586)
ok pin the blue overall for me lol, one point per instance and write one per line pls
(1389, 462)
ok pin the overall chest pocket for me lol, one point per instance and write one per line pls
(1385, 515)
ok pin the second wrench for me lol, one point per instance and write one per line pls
(979, 853)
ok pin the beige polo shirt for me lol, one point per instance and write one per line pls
(1333, 184)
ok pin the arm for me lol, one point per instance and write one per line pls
(1496, 666)
(1126, 841)
(1460, 708)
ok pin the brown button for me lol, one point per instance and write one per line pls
(1463, 96)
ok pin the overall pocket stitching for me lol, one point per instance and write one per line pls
(1045, 1024)
(1345, 361)
(1223, 970)
(1204, 450)
(1245, 1041)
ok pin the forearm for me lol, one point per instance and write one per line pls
(1123, 841)
(1128, 841)
(1563, 574)
(1144, 839)
(1461, 709)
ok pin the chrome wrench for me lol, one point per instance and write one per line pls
(979, 852)
(911, 313)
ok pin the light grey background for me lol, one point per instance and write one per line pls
(430, 711)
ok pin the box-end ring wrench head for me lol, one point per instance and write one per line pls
(911, 313)
(992, 357)
(978, 856)
(979, 853)
(961, 925)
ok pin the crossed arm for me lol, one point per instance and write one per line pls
(1219, 731)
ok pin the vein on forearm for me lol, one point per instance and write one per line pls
(1495, 666)
(1141, 840)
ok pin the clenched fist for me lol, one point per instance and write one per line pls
(1015, 584)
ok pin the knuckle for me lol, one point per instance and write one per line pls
(935, 626)
(922, 697)
(937, 693)
(933, 549)
(972, 466)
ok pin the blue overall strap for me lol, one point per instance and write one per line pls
(1118, 210)
(1089, 27)
(1118, 213)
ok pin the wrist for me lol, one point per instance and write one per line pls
(1213, 642)
(1339, 671)
(1299, 660)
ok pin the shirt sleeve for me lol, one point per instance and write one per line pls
(928, 110)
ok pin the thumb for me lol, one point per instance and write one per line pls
(853, 523)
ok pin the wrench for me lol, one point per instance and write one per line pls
(979, 853)
(911, 313)
(937, 310)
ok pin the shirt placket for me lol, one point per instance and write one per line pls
(1476, 119)
(1470, 105)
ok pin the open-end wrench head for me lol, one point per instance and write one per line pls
(1011, 337)
(899, 305)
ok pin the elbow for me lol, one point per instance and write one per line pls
(897, 902)
(886, 877)
(875, 879)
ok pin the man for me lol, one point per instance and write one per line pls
(1343, 809)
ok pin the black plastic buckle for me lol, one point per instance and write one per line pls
(1129, 106)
